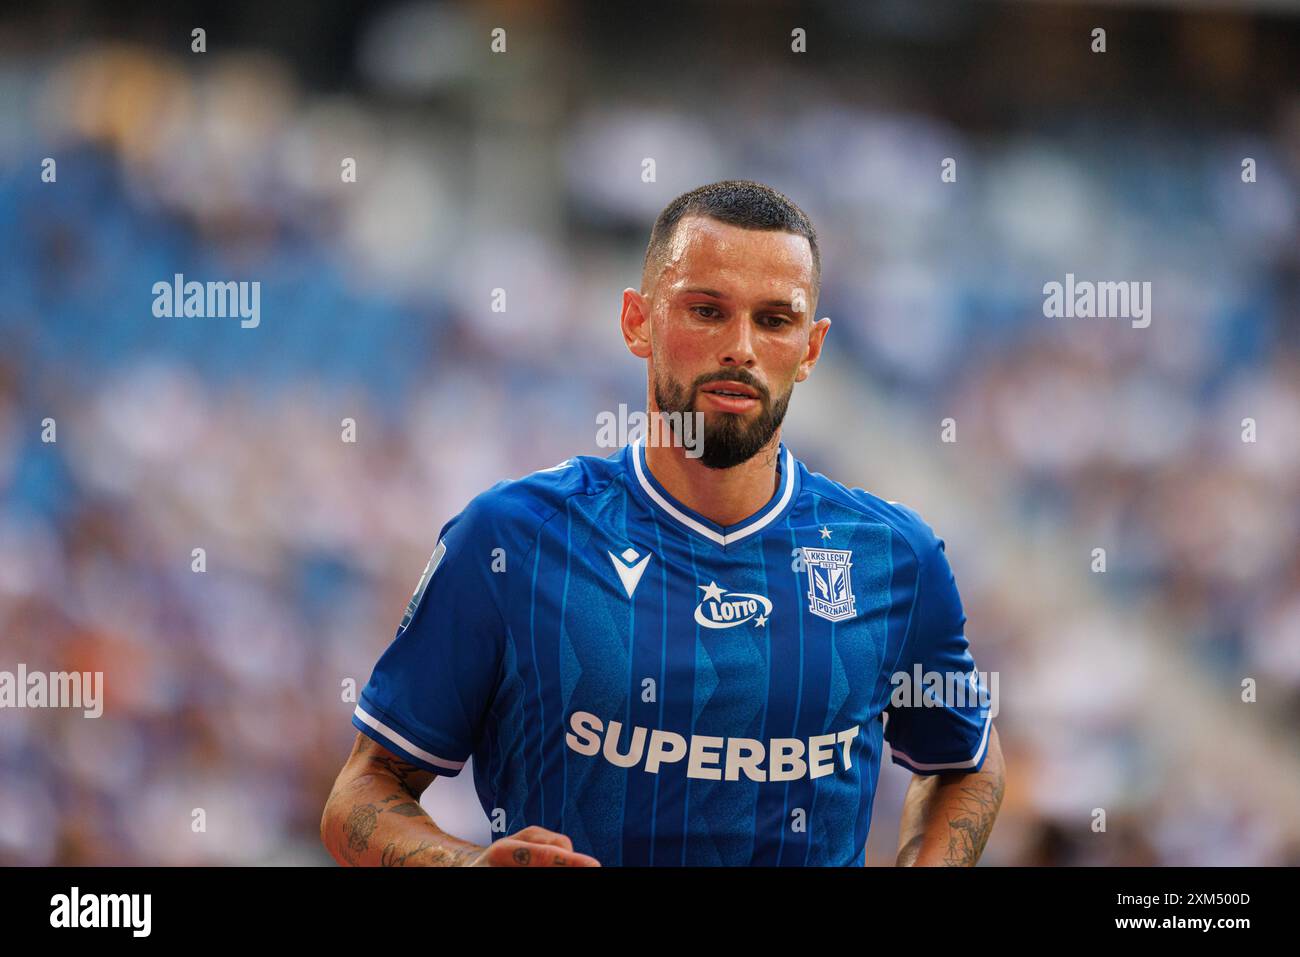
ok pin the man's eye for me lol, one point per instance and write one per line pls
(776, 321)
(713, 309)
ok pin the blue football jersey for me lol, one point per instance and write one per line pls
(665, 690)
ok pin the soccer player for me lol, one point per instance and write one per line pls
(677, 655)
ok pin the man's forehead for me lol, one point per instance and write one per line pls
(702, 248)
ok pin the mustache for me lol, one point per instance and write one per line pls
(739, 375)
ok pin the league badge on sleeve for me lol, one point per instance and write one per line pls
(830, 588)
(414, 603)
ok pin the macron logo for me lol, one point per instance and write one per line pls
(629, 569)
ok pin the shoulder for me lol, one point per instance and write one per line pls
(902, 519)
(519, 507)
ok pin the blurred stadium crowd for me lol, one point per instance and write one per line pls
(1119, 691)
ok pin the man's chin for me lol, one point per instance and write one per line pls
(726, 459)
(726, 415)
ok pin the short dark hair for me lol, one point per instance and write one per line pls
(738, 202)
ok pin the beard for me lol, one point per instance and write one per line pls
(728, 439)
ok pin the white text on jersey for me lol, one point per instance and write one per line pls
(709, 757)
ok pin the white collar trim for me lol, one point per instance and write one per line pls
(730, 537)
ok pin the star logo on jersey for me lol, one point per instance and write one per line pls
(727, 609)
(630, 566)
(830, 588)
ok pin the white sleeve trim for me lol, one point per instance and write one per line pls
(950, 765)
(405, 744)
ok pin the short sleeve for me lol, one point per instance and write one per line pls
(429, 692)
(938, 713)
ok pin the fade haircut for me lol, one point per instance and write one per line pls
(737, 202)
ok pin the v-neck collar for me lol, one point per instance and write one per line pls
(659, 499)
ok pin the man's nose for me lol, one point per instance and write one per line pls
(738, 349)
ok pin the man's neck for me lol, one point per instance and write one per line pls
(725, 496)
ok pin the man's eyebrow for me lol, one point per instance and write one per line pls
(699, 290)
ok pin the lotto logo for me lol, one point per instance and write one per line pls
(724, 609)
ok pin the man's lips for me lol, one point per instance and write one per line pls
(731, 396)
(738, 389)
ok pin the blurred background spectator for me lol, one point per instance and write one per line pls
(523, 171)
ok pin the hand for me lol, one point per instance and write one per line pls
(533, 847)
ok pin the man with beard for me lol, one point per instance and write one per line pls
(661, 659)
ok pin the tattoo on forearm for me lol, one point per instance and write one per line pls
(359, 826)
(971, 821)
(458, 856)
(363, 818)
(435, 855)
(392, 857)
(399, 769)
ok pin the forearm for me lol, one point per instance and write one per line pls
(947, 818)
(374, 820)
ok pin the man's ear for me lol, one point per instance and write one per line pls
(635, 322)
(815, 339)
